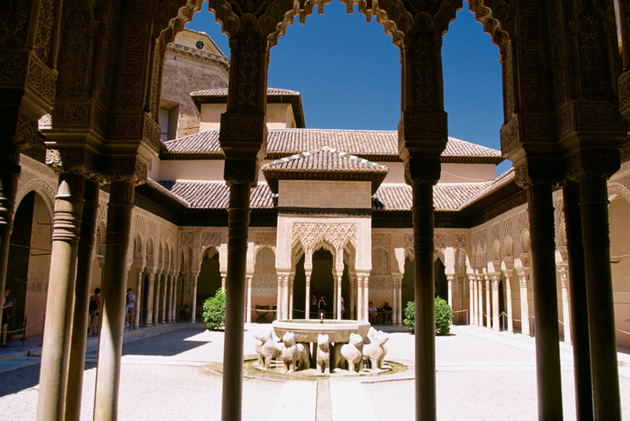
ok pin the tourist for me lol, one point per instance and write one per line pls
(321, 307)
(387, 310)
(343, 307)
(5, 317)
(373, 312)
(313, 305)
(95, 310)
(131, 300)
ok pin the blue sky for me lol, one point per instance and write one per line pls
(348, 71)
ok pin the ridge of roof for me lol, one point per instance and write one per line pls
(502, 180)
(302, 155)
(372, 144)
(224, 92)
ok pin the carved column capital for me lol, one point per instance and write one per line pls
(531, 172)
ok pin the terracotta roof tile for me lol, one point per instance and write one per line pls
(214, 194)
(446, 197)
(224, 92)
(364, 143)
(324, 159)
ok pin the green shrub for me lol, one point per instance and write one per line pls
(443, 317)
(214, 310)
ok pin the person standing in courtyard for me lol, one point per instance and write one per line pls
(131, 300)
(5, 317)
(95, 310)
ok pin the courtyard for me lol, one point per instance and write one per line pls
(481, 375)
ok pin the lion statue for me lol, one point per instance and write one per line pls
(295, 355)
(351, 353)
(267, 347)
(323, 353)
(375, 351)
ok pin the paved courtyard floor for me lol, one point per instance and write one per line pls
(481, 375)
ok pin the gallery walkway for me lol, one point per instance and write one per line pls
(482, 375)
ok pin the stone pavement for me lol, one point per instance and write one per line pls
(481, 375)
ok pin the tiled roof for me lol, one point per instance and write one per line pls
(446, 197)
(196, 146)
(372, 145)
(224, 92)
(503, 180)
(324, 159)
(214, 194)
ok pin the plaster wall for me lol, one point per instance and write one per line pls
(619, 214)
(279, 116)
(181, 76)
(190, 170)
(325, 194)
(189, 39)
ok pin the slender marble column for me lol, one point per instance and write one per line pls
(394, 300)
(285, 297)
(223, 279)
(163, 309)
(60, 300)
(334, 312)
(488, 304)
(238, 227)
(193, 311)
(139, 302)
(601, 311)
(85, 257)
(450, 290)
(339, 313)
(508, 293)
(565, 305)
(248, 308)
(496, 319)
(471, 302)
(167, 299)
(541, 222)
(9, 176)
(279, 314)
(307, 301)
(291, 280)
(359, 292)
(423, 223)
(150, 290)
(579, 309)
(366, 297)
(120, 207)
(525, 329)
(156, 298)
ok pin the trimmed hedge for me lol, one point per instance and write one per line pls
(214, 311)
(443, 317)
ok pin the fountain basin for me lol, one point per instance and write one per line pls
(308, 330)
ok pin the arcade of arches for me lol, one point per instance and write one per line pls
(95, 140)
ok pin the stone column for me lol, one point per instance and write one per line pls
(335, 296)
(150, 291)
(248, 308)
(279, 314)
(285, 297)
(360, 298)
(163, 309)
(480, 300)
(450, 290)
(401, 307)
(565, 305)
(307, 301)
(168, 296)
(525, 329)
(541, 222)
(601, 311)
(488, 304)
(394, 300)
(508, 293)
(291, 280)
(85, 257)
(496, 319)
(156, 298)
(339, 314)
(366, 297)
(119, 211)
(59, 303)
(579, 309)
(139, 303)
(223, 279)
(193, 317)
(471, 301)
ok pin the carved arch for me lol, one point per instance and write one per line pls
(43, 189)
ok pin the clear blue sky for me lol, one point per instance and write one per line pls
(348, 72)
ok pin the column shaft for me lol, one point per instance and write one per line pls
(601, 312)
(8, 189)
(113, 301)
(450, 292)
(307, 301)
(471, 302)
(279, 299)
(85, 257)
(541, 221)
(565, 308)
(508, 293)
(422, 214)
(248, 308)
(291, 280)
(193, 310)
(525, 328)
(150, 291)
(339, 313)
(139, 303)
(496, 317)
(60, 300)
(488, 305)
(238, 226)
(579, 306)
(163, 309)
(395, 301)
